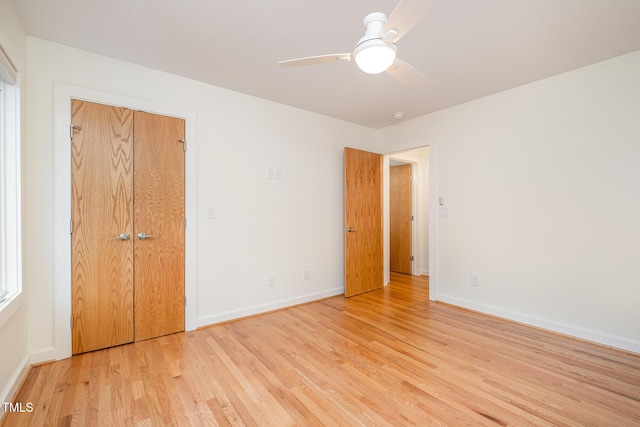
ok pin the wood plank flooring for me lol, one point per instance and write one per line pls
(386, 358)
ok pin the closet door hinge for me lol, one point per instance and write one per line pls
(71, 321)
(412, 258)
(73, 128)
(71, 227)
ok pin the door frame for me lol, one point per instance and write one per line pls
(63, 93)
(432, 220)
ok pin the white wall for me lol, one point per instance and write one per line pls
(14, 356)
(542, 187)
(262, 227)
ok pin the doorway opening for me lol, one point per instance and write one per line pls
(418, 159)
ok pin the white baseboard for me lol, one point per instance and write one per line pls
(14, 382)
(45, 355)
(425, 272)
(259, 309)
(562, 328)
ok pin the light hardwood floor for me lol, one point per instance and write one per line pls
(389, 357)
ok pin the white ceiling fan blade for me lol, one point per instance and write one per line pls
(404, 17)
(406, 74)
(313, 60)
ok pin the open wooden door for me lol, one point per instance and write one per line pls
(400, 218)
(363, 246)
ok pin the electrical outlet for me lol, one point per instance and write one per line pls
(306, 275)
(475, 280)
(271, 281)
(211, 212)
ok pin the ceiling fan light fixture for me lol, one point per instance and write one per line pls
(375, 55)
(376, 50)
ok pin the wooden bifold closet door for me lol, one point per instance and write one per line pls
(127, 217)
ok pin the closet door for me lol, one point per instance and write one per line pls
(102, 213)
(159, 225)
(127, 226)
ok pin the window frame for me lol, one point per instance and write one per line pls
(10, 190)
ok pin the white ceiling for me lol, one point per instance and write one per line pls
(466, 49)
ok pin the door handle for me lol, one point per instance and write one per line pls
(144, 236)
(350, 229)
(122, 236)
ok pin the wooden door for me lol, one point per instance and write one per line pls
(159, 212)
(400, 218)
(363, 247)
(102, 209)
(127, 179)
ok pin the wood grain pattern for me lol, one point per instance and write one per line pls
(159, 211)
(389, 357)
(102, 194)
(400, 218)
(362, 211)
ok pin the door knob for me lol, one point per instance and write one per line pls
(350, 229)
(122, 236)
(144, 236)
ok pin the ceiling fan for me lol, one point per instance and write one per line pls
(376, 51)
